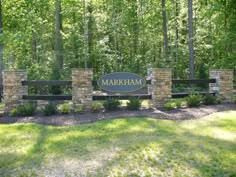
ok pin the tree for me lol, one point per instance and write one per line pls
(1, 51)
(58, 37)
(190, 34)
(165, 30)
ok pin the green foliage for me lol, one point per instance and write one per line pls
(55, 75)
(64, 108)
(78, 109)
(49, 109)
(209, 99)
(169, 106)
(13, 112)
(177, 103)
(96, 107)
(111, 104)
(219, 100)
(134, 104)
(29, 31)
(193, 100)
(27, 109)
(234, 99)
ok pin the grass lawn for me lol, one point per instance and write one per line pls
(122, 147)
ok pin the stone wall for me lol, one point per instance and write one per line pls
(82, 88)
(224, 83)
(161, 86)
(13, 89)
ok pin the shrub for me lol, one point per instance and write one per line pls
(219, 100)
(13, 112)
(234, 99)
(178, 103)
(78, 109)
(134, 104)
(169, 106)
(27, 109)
(111, 104)
(193, 100)
(49, 109)
(64, 108)
(96, 107)
(209, 99)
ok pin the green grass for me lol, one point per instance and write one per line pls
(122, 147)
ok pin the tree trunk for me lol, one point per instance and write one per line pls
(58, 37)
(190, 33)
(86, 36)
(176, 37)
(136, 34)
(34, 47)
(165, 30)
(1, 52)
(90, 35)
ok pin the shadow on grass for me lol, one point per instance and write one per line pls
(205, 155)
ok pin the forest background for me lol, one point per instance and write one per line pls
(50, 37)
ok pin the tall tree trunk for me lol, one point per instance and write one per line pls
(86, 35)
(58, 37)
(136, 33)
(176, 37)
(190, 33)
(90, 35)
(165, 29)
(34, 47)
(75, 42)
(1, 53)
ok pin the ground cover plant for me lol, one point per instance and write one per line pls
(111, 104)
(193, 100)
(134, 104)
(26, 109)
(122, 147)
(50, 109)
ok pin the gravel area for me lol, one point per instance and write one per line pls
(75, 119)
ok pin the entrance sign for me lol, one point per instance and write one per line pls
(121, 82)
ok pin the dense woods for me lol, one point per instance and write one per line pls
(49, 37)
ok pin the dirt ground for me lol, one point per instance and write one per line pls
(87, 117)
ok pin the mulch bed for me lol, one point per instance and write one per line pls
(75, 119)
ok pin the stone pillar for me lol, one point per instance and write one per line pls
(82, 88)
(224, 83)
(161, 86)
(13, 90)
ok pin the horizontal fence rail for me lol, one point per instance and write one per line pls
(47, 97)
(45, 82)
(193, 81)
(121, 97)
(182, 95)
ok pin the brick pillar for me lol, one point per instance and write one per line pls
(224, 83)
(82, 88)
(161, 86)
(13, 90)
